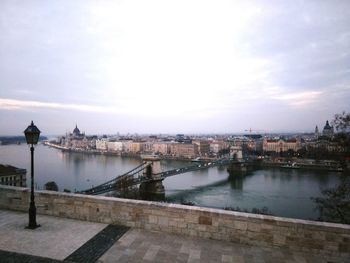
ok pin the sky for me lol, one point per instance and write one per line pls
(173, 66)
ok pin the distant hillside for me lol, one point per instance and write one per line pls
(4, 140)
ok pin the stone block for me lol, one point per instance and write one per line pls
(311, 244)
(204, 235)
(344, 248)
(152, 219)
(190, 218)
(163, 221)
(279, 239)
(331, 246)
(204, 220)
(158, 212)
(318, 235)
(254, 227)
(173, 223)
(182, 225)
(202, 228)
(331, 236)
(130, 224)
(192, 233)
(240, 225)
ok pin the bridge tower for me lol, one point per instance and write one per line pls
(154, 189)
(236, 153)
(238, 167)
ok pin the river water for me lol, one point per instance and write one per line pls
(284, 192)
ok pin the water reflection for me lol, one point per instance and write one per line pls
(236, 182)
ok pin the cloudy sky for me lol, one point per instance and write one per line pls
(173, 66)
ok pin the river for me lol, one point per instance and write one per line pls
(284, 192)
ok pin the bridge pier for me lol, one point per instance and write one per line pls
(154, 189)
(237, 168)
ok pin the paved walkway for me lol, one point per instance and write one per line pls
(60, 239)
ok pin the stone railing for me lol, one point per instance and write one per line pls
(261, 230)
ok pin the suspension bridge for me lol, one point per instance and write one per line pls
(149, 176)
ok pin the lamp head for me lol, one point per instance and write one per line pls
(32, 134)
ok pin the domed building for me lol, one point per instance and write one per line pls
(76, 132)
(328, 130)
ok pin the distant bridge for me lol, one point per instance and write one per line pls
(149, 173)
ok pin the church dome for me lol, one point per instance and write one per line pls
(327, 126)
(76, 130)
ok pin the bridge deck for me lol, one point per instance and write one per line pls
(136, 176)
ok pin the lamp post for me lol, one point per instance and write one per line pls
(32, 136)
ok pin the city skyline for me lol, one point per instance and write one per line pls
(173, 67)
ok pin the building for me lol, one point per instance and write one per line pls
(101, 144)
(317, 133)
(127, 146)
(136, 147)
(75, 140)
(217, 146)
(328, 130)
(76, 133)
(92, 141)
(10, 175)
(80, 143)
(147, 147)
(162, 148)
(203, 147)
(281, 145)
(114, 146)
(184, 150)
(248, 142)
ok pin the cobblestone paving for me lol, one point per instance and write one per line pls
(146, 246)
(13, 257)
(99, 244)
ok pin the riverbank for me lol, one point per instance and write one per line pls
(335, 167)
(109, 153)
(330, 166)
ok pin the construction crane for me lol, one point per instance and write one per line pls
(251, 130)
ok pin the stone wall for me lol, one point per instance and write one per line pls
(298, 235)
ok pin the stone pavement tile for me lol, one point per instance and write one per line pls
(56, 238)
(165, 247)
(300, 258)
(226, 258)
(151, 253)
(185, 249)
(195, 254)
(127, 240)
(182, 258)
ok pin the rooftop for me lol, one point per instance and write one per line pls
(10, 170)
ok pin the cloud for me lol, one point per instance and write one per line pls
(299, 99)
(10, 104)
(215, 62)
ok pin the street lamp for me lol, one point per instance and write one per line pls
(32, 136)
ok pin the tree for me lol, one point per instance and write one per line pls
(342, 122)
(342, 126)
(334, 206)
(51, 186)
